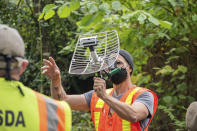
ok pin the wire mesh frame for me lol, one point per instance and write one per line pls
(106, 50)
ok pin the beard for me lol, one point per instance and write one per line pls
(119, 77)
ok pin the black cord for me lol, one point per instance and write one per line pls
(8, 60)
(8, 65)
(21, 91)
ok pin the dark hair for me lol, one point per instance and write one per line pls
(126, 55)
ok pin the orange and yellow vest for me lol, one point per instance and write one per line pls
(22, 109)
(104, 122)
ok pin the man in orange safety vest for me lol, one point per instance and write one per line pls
(125, 107)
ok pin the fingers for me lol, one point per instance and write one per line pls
(45, 67)
(44, 71)
(98, 80)
(97, 89)
(47, 62)
(99, 83)
(52, 61)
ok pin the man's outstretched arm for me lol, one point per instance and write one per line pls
(76, 102)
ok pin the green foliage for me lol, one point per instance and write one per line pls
(63, 9)
(82, 121)
(160, 35)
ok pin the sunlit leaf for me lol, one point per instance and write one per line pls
(104, 6)
(183, 69)
(41, 16)
(93, 9)
(185, 39)
(194, 17)
(161, 35)
(165, 70)
(165, 24)
(91, 19)
(86, 20)
(67, 49)
(74, 5)
(116, 5)
(154, 20)
(173, 2)
(63, 11)
(48, 7)
(141, 18)
(49, 14)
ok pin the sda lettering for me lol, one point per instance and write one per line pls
(9, 118)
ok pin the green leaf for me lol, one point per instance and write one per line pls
(49, 14)
(174, 57)
(182, 77)
(165, 24)
(63, 11)
(182, 69)
(116, 5)
(165, 70)
(133, 4)
(185, 38)
(87, 52)
(129, 15)
(167, 99)
(104, 6)
(93, 9)
(86, 20)
(161, 35)
(154, 20)
(74, 5)
(194, 17)
(173, 2)
(182, 96)
(141, 18)
(59, 1)
(49, 7)
(90, 20)
(67, 49)
(181, 87)
(191, 99)
(41, 16)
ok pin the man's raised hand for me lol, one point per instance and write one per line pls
(51, 70)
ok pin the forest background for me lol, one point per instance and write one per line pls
(161, 35)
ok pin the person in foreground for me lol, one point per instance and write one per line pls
(191, 117)
(123, 107)
(22, 109)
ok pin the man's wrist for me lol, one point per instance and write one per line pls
(56, 82)
(104, 96)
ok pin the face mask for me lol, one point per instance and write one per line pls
(119, 76)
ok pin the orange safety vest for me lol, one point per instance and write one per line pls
(100, 110)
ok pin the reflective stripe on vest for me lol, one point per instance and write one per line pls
(99, 104)
(53, 116)
(39, 112)
(126, 124)
(100, 110)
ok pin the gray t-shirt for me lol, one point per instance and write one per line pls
(146, 98)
